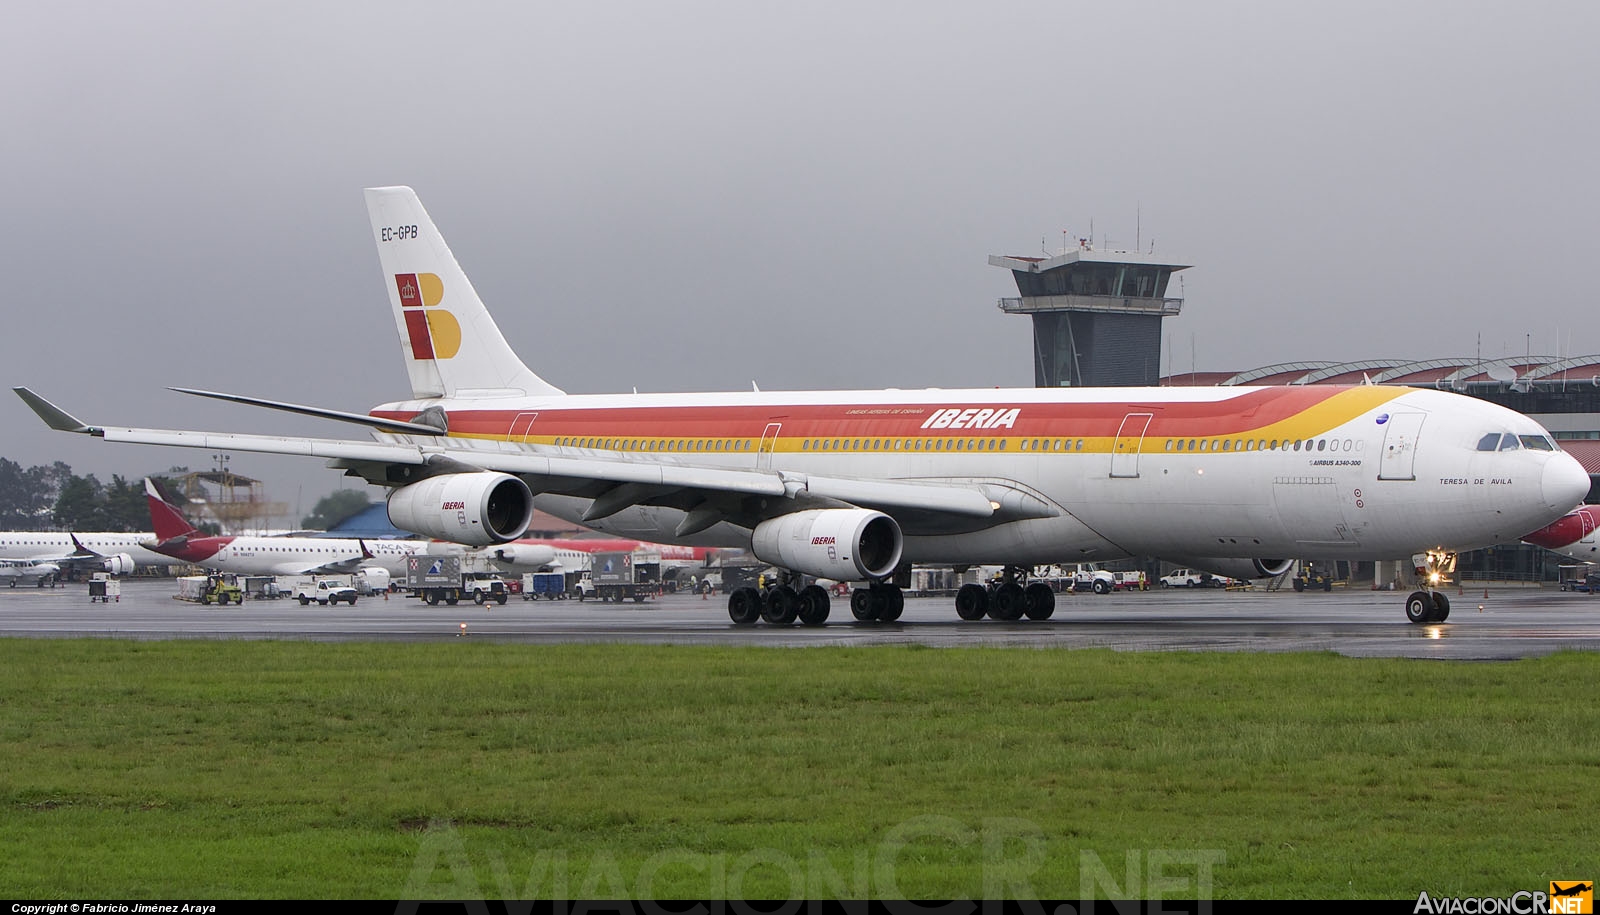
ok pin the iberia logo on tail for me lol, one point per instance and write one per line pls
(434, 332)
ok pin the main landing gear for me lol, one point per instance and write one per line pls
(1007, 600)
(1430, 605)
(780, 605)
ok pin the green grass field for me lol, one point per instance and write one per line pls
(465, 769)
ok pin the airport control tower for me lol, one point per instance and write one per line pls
(1096, 315)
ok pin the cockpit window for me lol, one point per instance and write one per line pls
(1537, 443)
(1508, 442)
(1489, 442)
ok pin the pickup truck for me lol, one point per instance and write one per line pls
(1189, 578)
(326, 591)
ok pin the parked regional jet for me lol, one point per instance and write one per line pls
(1572, 535)
(856, 485)
(106, 551)
(177, 538)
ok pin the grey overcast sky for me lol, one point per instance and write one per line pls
(692, 196)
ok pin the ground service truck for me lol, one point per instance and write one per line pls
(621, 576)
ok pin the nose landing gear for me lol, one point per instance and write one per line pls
(1433, 568)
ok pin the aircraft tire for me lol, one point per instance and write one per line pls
(813, 605)
(1006, 603)
(894, 603)
(781, 607)
(1039, 601)
(972, 602)
(744, 606)
(1419, 607)
(862, 605)
(1441, 607)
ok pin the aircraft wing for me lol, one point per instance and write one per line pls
(655, 475)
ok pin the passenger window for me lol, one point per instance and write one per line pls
(1322, 444)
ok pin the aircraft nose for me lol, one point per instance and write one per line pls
(1565, 483)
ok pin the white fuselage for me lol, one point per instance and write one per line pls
(1366, 472)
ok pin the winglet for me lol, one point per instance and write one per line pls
(53, 416)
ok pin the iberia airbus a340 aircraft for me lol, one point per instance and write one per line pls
(857, 485)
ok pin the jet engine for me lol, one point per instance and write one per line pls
(521, 557)
(844, 544)
(118, 563)
(1243, 569)
(476, 509)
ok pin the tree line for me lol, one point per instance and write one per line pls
(52, 497)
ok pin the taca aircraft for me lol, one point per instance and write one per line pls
(857, 485)
(177, 538)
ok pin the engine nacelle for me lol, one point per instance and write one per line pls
(1243, 569)
(476, 509)
(118, 563)
(844, 544)
(521, 557)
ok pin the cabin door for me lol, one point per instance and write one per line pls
(1130, 438)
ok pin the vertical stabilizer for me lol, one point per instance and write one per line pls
(165, 520)
(451, 345)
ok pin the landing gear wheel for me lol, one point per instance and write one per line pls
(863, 605)
(1006, 604)
(1038, 601)
(782, 606)
(1441, 607)
(972, 602)
(1419, 607)
(894, 603)
(813, 605)
(744, 606)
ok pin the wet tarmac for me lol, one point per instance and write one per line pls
(1501, 622)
